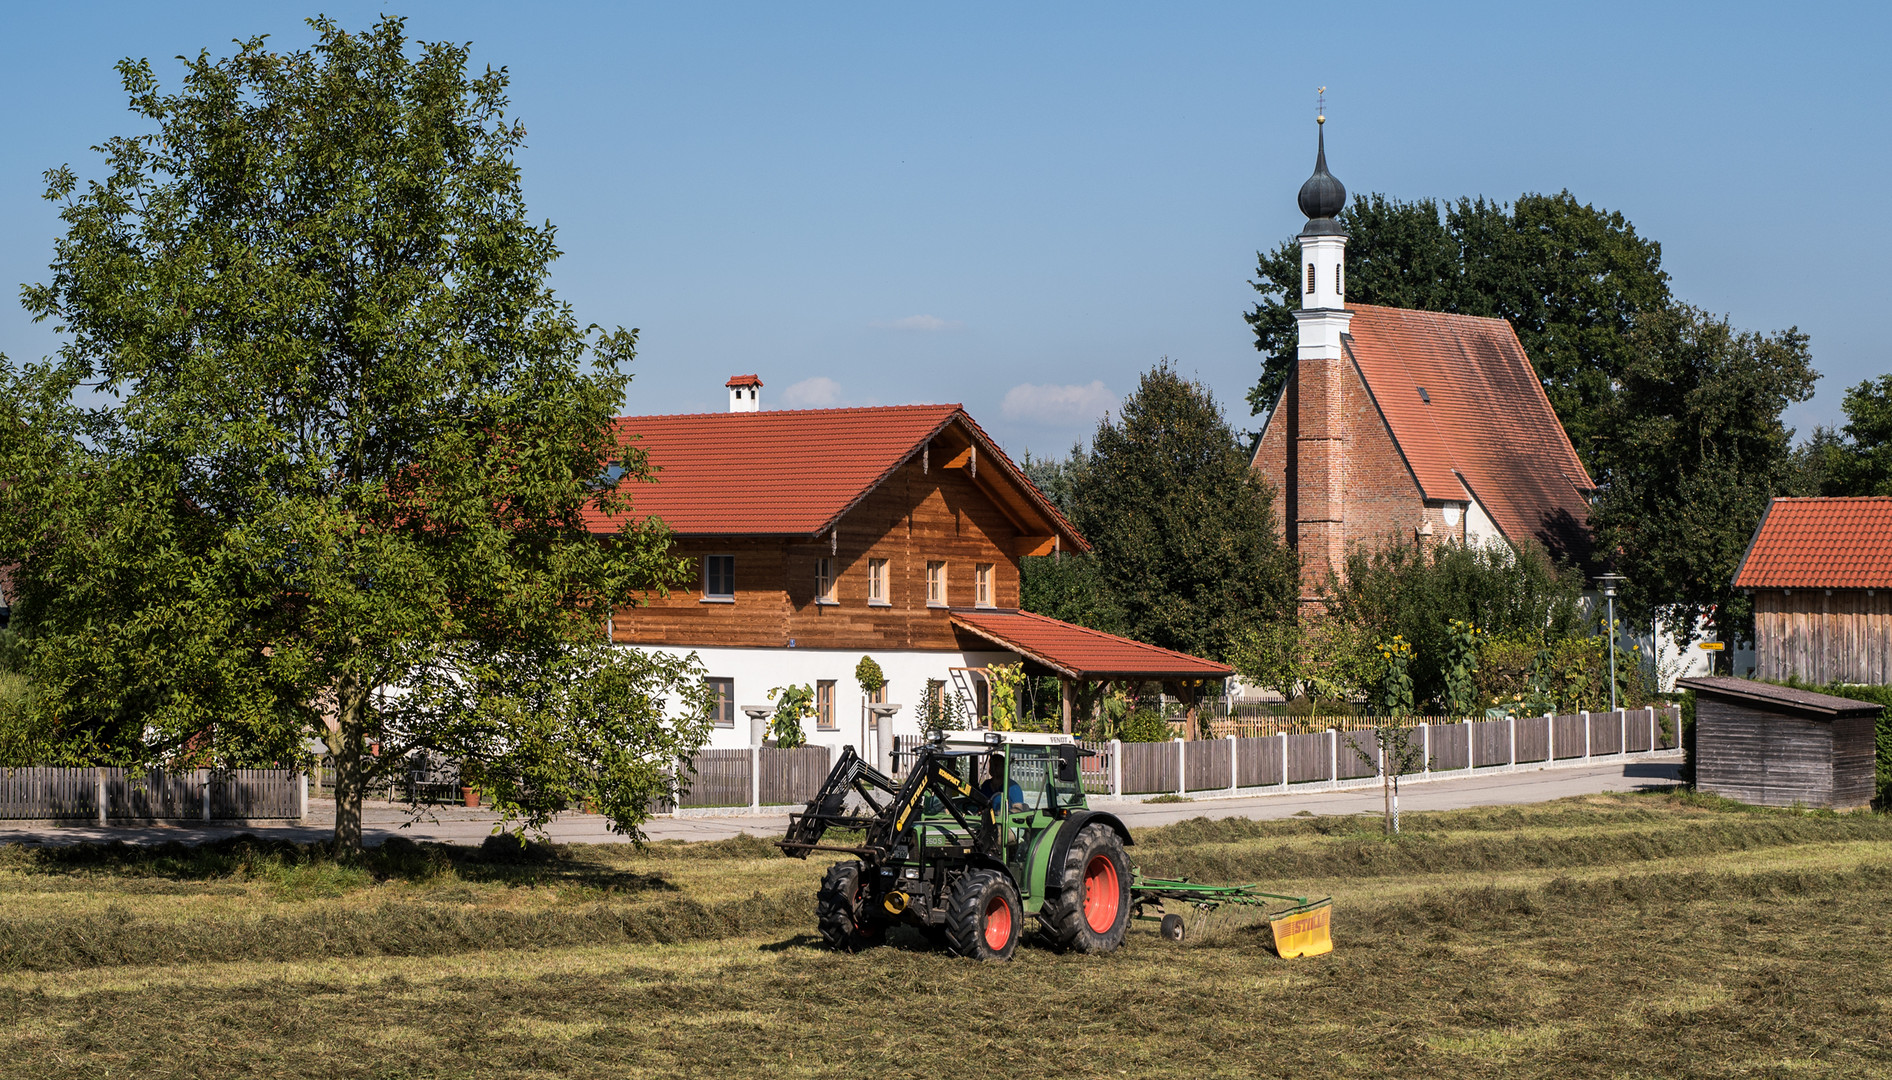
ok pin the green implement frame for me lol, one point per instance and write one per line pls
(1294, 935)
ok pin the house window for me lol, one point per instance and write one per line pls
(1339, 286)
(983, 575)
(877, 581)
(724, 711)
(935, 584)
(824, 581)
(719, 577)
(1310, 279)
(824, 704)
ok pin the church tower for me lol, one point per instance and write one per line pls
(1323, 319)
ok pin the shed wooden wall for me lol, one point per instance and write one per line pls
(1822, 637)
(1770, 759)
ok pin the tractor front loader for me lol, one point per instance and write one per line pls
(987, 831)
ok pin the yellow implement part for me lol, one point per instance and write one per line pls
(1303, 931)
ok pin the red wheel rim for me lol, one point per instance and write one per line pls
(998, 923)
(1101, 899)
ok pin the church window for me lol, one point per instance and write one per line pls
(1310, 279)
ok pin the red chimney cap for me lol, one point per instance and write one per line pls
(743, 380)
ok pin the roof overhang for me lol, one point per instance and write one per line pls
(1078, 652)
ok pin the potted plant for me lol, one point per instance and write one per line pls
(470, 796)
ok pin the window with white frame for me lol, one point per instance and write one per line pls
(719, 577)
(983, 576)
(824, 581)
(877, 581)
(935, 583)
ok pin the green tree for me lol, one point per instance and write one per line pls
(1697, 449)
(1857, 460)
(1183, 531)
(340, 484)
(1571, 278)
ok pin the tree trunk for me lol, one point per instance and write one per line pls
(346, 743)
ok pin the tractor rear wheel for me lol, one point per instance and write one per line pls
(840, 909)
(983, 916)
(1090, 908)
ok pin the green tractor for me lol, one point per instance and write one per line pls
(986, 831)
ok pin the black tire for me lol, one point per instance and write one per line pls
(1173, 927)
(983, 916)
(1078, 912)
(840, 912)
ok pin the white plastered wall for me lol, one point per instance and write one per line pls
(757, 671)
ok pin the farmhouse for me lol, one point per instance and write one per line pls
(821, 536)
(1411, 425)
(1820, 573)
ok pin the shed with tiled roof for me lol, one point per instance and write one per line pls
(1820, 574)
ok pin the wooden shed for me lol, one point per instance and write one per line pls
(1780, 746)
(1820, 573)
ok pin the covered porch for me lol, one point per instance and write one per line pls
(1077, 655)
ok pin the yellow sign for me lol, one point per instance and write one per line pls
(1304, 933)
(1712, 646)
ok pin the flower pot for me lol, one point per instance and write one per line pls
(471, 797)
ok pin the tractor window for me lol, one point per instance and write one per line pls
(1031, 771)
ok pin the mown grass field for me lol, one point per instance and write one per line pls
(1635, 935)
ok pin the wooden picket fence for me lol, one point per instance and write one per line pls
(1343, 755)
(104, 795)
(753, 776)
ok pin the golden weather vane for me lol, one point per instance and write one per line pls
(1320, 105)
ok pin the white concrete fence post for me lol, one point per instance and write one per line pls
(1622, 740)
(1233, 772)
(1471, 754)
(203, 790)
(1585, 713)
(1513, 733)
(99, 778)
(1182, 784)
(755, 778)
(1550, 739)
(1284, 760)
(302, 799)
(1116, 767)
(1425, 747)
(1333, 758)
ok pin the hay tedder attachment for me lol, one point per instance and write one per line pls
(988, 838)
(1302, 928)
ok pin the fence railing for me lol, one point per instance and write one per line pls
(753, 776)
(1337, 756)
(103, 795)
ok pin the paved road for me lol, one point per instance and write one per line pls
(460, 826)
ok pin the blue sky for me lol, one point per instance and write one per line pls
(1021, 207)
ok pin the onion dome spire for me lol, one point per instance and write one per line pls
(1322, 196)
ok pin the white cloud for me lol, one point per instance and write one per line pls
(1062, 406)
(819, 392)
(926, 324)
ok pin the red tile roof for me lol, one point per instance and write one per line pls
(1483, 426)
(744, 380)
(796, 472)
(1083, 653)
(1820, 544)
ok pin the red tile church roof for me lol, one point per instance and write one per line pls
(1820, 544)
(1079, 652)
(797, 471)
(1482, 426)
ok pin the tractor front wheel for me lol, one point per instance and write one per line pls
(1090, 909)
(983, 916)
(840, 909)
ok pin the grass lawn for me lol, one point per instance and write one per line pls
(1631, 935)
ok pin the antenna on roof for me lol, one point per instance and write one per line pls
(1320, 105)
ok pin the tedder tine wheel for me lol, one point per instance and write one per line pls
(1173, 926)
(983, 916)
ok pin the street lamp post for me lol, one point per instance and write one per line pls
(1610, 583)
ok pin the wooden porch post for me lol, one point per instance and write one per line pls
(1069, 703)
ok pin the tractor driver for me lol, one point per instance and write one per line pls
(995, 768)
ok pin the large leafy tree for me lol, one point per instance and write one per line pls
(1571, 278)
(339, 483)
(1857, 459)
(1697, 449)
(1185, 546)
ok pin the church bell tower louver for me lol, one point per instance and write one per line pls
(1320, 368)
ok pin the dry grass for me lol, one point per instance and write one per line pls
(1608, 936)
